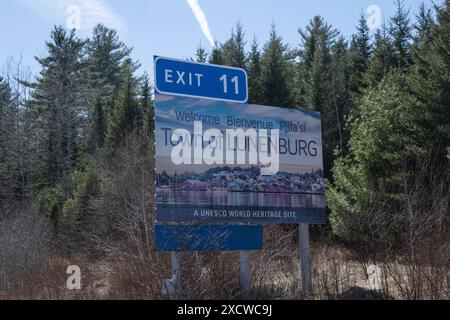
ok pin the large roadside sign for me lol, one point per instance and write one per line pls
(221, 162)
(206, 81)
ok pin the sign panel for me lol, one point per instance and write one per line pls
(218, 161)
(184, 78)
(208, 238)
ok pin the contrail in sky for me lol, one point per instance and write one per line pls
(201, 18)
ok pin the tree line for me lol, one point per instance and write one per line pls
(384, 100)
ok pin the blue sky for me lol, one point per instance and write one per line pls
(170, 28)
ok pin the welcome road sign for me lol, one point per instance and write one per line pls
(217, 161)
(184, 78)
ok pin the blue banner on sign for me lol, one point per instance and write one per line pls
(208, 238)
(184, 78)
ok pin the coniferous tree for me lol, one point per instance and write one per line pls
(360, 54)
(5, 139)
(234, 49)
(318, 89)
(275, 70)
(383, 59)
(385, 143)
(147, 105)
(430, 83)
(256, 94)
(106, 54)
(59, 98)
(401, 33)
(341, 91)
(125, 112)
(201, 55)
(216, 56)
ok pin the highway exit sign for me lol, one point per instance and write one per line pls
(207, 81)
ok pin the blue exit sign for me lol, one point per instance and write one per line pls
(184, 78)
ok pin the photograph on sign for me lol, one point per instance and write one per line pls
(224, 162)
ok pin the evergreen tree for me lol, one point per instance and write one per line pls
(341, 91)
(125, 112)
(106, 54)
(383, 59)
(59, 98)
(216, 56)
(318, 89)
(401, 33)
(424, 26)
(147, 105)
(430, 82)
(385, 143)
(234, 49)
(201, 55)
(256, 94)
(275, 70)
(360, 54)
(5, 139)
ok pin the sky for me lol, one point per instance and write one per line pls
(175, 28)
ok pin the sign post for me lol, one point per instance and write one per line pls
(305, 260)
(245, 274)
(176, 274)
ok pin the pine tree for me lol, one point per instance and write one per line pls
(216, 56)
(424, 26)
(341, 91)
(430, 83)
(401, 33)
(276, 72)
(255, 74)
(234, 49)
(318, 88)
(201, 55)
(106, 54)
(385, 143)
(125, 113)
(383, 59)
(360, 53)
(147, 105)
(5, 137)
(315, 54)
(59, 97)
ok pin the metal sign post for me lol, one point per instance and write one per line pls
(245, 274)
(176, 274)
(305, 259)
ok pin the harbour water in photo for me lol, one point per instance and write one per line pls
(227, 198)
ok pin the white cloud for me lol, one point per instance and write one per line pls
(201, 18)
(91, 12)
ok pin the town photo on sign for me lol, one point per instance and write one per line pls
(242, 159)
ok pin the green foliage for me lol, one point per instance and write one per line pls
(201, 55)
(401, 33)
(385, 143)
(233, 50)
(59, 100)
(276, 72)
(256, 94)
(126, 111)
